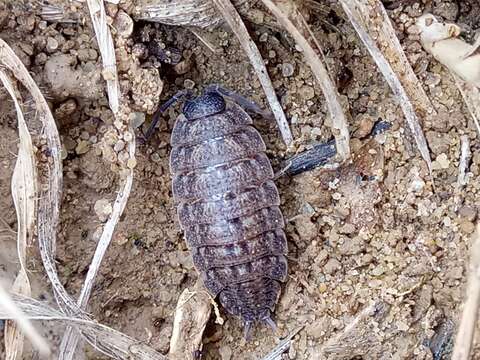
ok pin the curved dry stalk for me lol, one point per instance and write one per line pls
(466, 329)
(392, 80)
(235, 22)
(23, 185)
(293, 21)
(49, 198)
(109, 341)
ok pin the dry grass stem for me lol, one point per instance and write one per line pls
(235, 22)
(198, 13)
(359, 337)
(107, 51)
(356, 18)
(51, 181)
(10, 310)
(107, 340)
(284, 345)
(466, 329)
(23, 187)
(471, 97)
(191, 317)
(379, 27)
(293, 21)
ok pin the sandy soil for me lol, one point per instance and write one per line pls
(370, 241)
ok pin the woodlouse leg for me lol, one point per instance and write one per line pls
(241, 100)
(247, 330)
(269, 321)
(156, 117)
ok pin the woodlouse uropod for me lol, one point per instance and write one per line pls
(227, 203)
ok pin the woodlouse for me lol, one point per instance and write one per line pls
(228, 204)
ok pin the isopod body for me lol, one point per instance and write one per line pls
(228, 206)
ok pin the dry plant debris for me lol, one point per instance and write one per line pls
(443, 42)
(235, 22)
(191, 317)
(199, 13)
(466, 328)
(290, 17)
(379, 27)
(463, 60)
(356, 16)
(336, 269)
(105, 339)
(10, 310)
(24, 191)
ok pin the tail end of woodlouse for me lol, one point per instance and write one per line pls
(248, 326)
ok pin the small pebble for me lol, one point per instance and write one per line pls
(123, 157)
(365, 126)
(287, 69)
(119, 146)
(468, 212)
(307, 92)
(103, 209)
(155, 157)
(131, 163)
(183, 67)
(189, 84)
(127, 136)
(467, 227)
(66, 108)
(441, 161)
(82, 147)
(136, 119)
(52, 44)
(322, 288)
(123, 24)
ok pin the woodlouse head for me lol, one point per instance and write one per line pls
(207, 104)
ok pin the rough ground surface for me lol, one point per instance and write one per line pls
(370, 241)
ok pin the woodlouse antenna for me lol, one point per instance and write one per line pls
(156, 117)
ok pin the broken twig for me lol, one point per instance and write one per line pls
(465, 154)
(191, 317)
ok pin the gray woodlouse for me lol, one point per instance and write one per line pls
(228, 204)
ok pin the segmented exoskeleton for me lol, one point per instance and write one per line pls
(228, 204)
